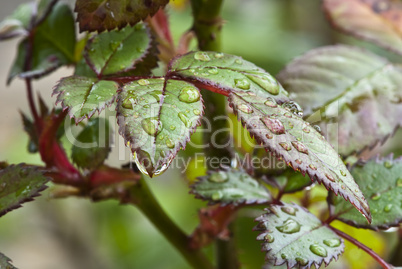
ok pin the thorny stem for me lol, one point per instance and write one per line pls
(360, 245)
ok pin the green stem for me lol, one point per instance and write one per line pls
(142, 197)
(207, 27)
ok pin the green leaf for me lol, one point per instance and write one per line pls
(19, 184)
(100, 15)
(92, 146)
(289, 181)
(83, 96)
(53, 45)
(380, 179)
(118, 51)
(293, 235)
(156, 118)
(359, 90)
(30, 129)
(17, 23)
(375, 21)
(5, 262)
(300, 145)
(227, 73)
(230, 187)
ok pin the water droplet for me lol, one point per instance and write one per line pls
(143, 161)
(283, 256)
(312, 166)
(269, 135)
(202, 56)
(306, 130)
(274, 125)
(184, 119)
(169, 143)
(270, 102)
(343, 187)
(302, 261)
(172, 127)
(243, 84)
(140, 50)
(217, 196)
(238, 61)
(399, 182)
(317, 128)
(289, 210)
(388, 207)
(269, 238)
(333, 243)
(388, 164)
(189, 94)
(289, 226)
(300, 147)
(330, 177)
(375, 196)
(318, 250)
(213, 70)
(146, 106)
(245, 108)
(343, 173)
(285, 146)
(293, 107)
(115, 45)
(266, 82)
(218, 177)
(219, 55)
(156, 95)
(197, 112)
(150, 125)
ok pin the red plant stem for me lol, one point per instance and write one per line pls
(368, 250)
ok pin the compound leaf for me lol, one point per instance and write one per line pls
(359, 90)
(101, 15)
(378, 21)
(19, 184)
(5, 262)
(381, 182)
(92, 146)
(226, 73)
(156, 118)
(230, 187)
(82, 96)
(288, 136)
(294, 236)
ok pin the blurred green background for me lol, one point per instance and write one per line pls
(75, 233)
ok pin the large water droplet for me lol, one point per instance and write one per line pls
(289, 226)
(150, 125)
(143, 82)
(388, 208)
(333, 243)
(270, 102)
(129, 102)
(243, 84)
(184, 119)
(387, 164)
(156, 95)
(285, 146)
(245, 108)
(266, 82)
(218, 177)
(269, 238)
(318, 250)
(289, 210)
(189, 94)
(375, 196)
(274, 125)
(202, 56)
(213, 70)
(302, 261)
(399, 182)
(293, 107)
(300, 147)
(169, 143)
(143, 161)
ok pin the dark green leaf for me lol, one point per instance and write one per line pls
(300, 145)
(92, 146)
(19, 184)
(381, 182)
(227, 73)
(83, 96)
(378, 21)
(100, 15)
(289, 181)
(156, 118)
(294, 236)
(53, 45)
(5, 262)
(230, 187)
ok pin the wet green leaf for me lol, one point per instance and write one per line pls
(83, 96)
(156, 118)
(19, 184)
(378, 21)
(380, 180)
(294, 236)
(359, 91)
(300, 145)
(100, 15)
(92, 145)
(230, 187)
(5, 262)
(227, 73)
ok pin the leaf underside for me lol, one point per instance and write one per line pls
(377, 21)
(83, 96)
(294, 236)
(156, 118)
(300, 145)
(5, 262)
(100, 15)
(362, 94)
(230, 187)
(380, 179)
(19, 184)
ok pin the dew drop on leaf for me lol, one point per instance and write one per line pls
(285, 146)
(169, 143)
(269, 238)
(312, 166)
(274, 125)
(197, 112)
(388, 208)
(150, 125)
(387, 164)
(266, 82)
(376, 196)
(270, 102)
(217, 196)
(289, 210)
(317, 128)
(306, 130)
(343, 173)
(300, 147)
(289, 226)
(330, 177)
(332, 242)
(172, 127)
(202, 56)
(243, 84)
(302, 261)
(238, 61)
(218, 177)
(318, 250)
(184, 119)
(283, 256)
(219, 55)
(189, 95)
(245, 108)
(399, 182)
(213, 70)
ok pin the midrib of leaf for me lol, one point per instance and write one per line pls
(87, 94)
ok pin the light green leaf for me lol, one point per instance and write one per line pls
(156, 118)
(294, 236)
